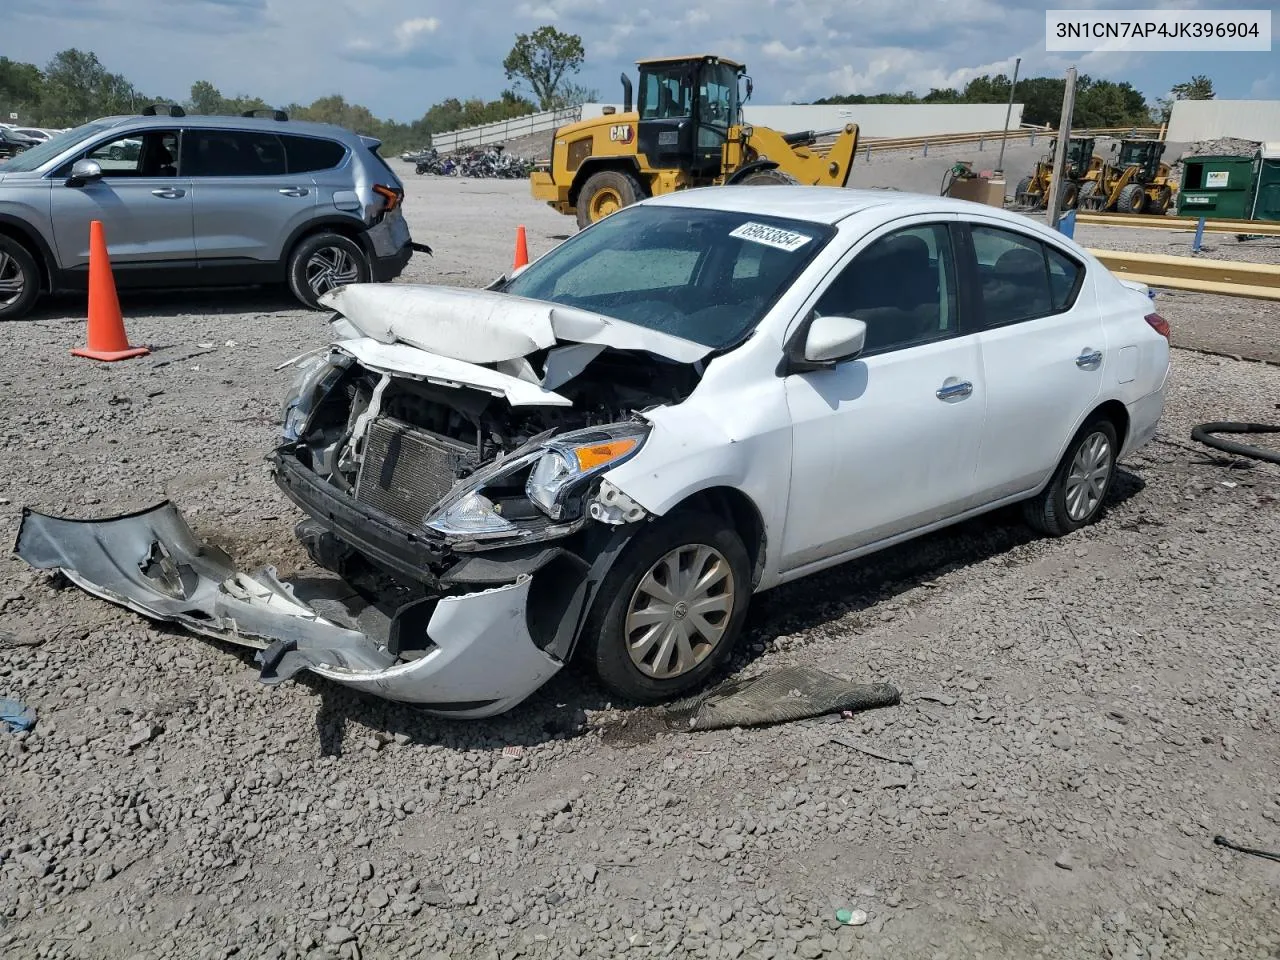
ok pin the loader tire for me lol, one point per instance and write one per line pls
(1070, 196)
(771, 176)
(1087, 198)
(1164, 200)
(604, 193)
(1021, 195)
(1133, 199)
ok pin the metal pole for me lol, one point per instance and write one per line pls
(1195, 244)
(1060, 151)
(1007, 114)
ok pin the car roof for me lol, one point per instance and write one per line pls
(128, 122)
(829, 205)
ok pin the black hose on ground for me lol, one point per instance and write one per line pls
(1204, 433)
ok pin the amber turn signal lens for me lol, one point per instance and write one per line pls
(392, 198)
(598, 454)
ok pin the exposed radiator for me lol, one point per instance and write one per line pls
(407, 471)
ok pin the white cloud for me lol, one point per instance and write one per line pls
(406, 37)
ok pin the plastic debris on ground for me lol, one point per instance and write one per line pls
(15, 716)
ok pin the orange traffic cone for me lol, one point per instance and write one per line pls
(107, 339)
(522, 249)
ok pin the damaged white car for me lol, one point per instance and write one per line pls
(699, 398)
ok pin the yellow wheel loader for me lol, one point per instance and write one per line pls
(686, 131)
(1033, 191)
(1137, 182)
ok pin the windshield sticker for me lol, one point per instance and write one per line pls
(770, 236)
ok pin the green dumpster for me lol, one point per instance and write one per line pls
(1219, 188)
(1266, 198)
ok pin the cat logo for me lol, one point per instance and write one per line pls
(621, 133)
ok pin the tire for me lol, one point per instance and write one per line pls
(1164, 199)
(604, 193)
(115, 153)
(1054, 511)
(1024, 185)
(771, 176)
(605, 647)
(19, 279)
(1132, 199)
(1070, 196)
(308, 275)
(1086, 198)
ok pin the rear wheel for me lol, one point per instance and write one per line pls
(1079, 487)
(770, 176)
(1070, 196)
(670, 609)
(1132, 199)
(604, 193)
(324, 262)
(19, 279)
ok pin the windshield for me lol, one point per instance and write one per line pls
(704, 275)
(39, 155)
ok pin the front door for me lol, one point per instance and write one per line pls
(1044, 350)
(888, 442)
(143, 200)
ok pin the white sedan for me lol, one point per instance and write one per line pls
(697, 399)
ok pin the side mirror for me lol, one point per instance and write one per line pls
(84, 171)
(833, 339)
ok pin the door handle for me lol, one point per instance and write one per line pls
(293, 191)
(169, 193)
(1089, 358)
(954, 391)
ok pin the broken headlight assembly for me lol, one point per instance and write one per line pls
(316, 377)
(554, 477)
(572, 458)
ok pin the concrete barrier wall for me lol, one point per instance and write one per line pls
(1194, 120)
(873, 120)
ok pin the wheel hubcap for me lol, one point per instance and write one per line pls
(12, 282)
(331, 267)
(605, 202)
(679, 612)
(1087, 481)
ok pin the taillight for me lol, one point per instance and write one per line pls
(391, 196)
(1159, 324)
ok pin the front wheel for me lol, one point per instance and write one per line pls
(1079, 487)
(670, 609)
(604, 193)
(769, 176)
(19, 279)
(324, 262)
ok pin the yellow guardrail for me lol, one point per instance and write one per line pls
(873, 144)
(1232, 278)
(1256, 228)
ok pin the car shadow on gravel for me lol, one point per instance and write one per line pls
(347, 720)
(71, 307)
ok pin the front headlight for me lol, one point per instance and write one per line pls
(316, 376)
(473, 516)
(573, 457)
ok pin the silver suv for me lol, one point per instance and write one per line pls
(201, 201)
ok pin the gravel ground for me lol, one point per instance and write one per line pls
(1082, 716)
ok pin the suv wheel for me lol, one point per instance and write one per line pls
(323, 262)
(19, 279)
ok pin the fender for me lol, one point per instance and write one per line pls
(44, 255)
(750, 168)
(348, 226)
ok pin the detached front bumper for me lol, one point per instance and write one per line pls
(477, 658)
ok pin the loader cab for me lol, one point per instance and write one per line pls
(1144, 154)
(687, 106)
(1079, 154)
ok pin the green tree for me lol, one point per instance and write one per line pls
(542, 60)
(78, 88)
(21, 85)
(205, 98)
(1199, 87)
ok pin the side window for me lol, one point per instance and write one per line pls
(308, 154)
(153, 153)
(1021, 278)
(902, 286)
(234, 153)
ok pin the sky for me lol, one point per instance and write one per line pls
(398, 57)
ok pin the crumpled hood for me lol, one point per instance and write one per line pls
(484, 326)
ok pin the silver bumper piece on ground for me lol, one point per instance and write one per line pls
(478, 659)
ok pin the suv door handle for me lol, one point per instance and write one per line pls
(169, 193)
(294, 191)
(954, 391)
(1089, 359)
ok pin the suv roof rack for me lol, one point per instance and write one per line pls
(275, 114)
(170, 110)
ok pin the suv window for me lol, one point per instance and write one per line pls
(151, 153)
(307, 154)
(1021, 278)
(902, 286)
(234, 153)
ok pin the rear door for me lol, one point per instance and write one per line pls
(1044, 350)
(246, 199)
(143, 200)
